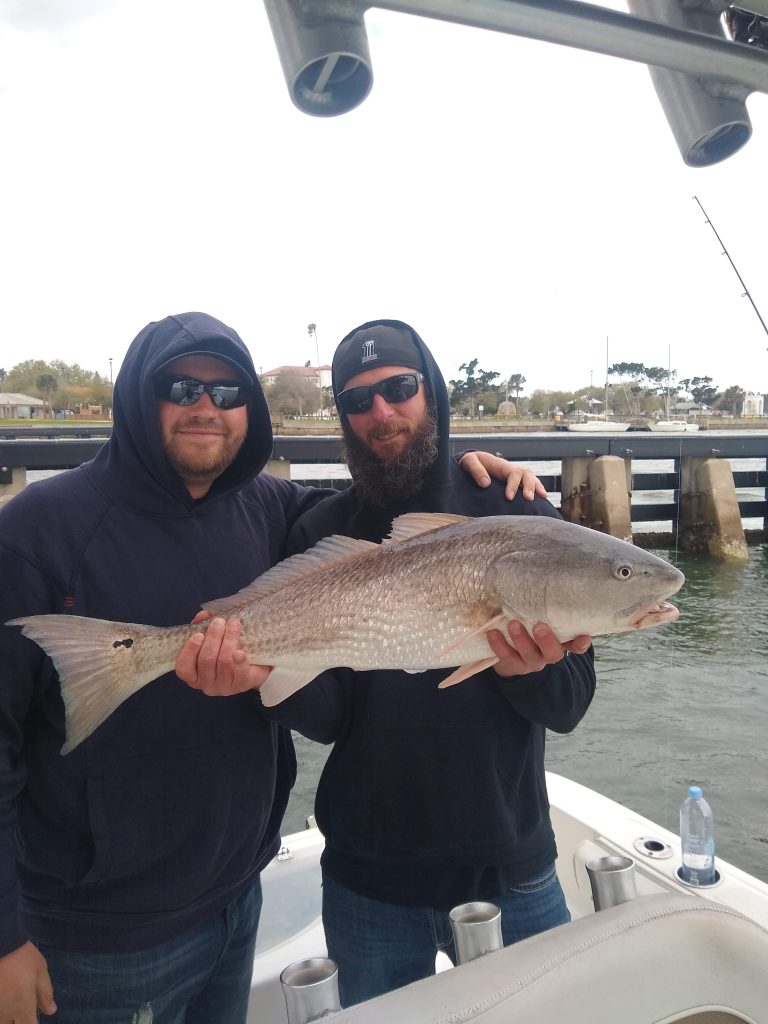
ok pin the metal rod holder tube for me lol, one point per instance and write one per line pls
(476, 930)
(311, 989)
(612, 880)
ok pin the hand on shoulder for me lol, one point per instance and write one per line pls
(481, 466)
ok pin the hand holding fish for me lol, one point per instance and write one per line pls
(214, 661)
(524, 653)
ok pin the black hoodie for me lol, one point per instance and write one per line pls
(174, 804)
(433, 797)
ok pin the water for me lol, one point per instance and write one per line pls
(685, 703)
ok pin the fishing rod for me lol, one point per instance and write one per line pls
(736, 272)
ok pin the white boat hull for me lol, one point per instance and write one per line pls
(643, 959)
(599, 427)
(674, 426)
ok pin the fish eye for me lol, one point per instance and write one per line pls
(623, 572)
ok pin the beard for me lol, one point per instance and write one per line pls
(206, 463)
(383, 482)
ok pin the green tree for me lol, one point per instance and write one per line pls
(293, 395)
(731, 400)
(515, 383)
(22, 378)
(637, 383)
(46, 384)
(700, 389)
(76, 386)
(326, 399)
(2, 374)
(465, 393)
(543, 403)
(490, 401)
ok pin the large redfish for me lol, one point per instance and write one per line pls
(422, 599)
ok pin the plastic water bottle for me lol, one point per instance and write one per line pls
(697, 839)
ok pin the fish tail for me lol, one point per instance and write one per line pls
(100, 664)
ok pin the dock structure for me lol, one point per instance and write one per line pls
(601, 475)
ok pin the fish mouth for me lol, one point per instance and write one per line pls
(654, 615)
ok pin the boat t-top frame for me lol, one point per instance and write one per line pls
(705, 56)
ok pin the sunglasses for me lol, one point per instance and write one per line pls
(395, 389)
(225, 394)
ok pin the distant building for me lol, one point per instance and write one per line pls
(20, 407)
(320, 376)
(754, 404)
(682, 408)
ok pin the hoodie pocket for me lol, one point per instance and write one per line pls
(98, 819)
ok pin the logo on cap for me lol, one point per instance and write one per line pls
(369, 351)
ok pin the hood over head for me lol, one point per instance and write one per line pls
(135, 447)
(395, 343)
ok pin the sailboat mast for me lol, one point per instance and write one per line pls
(669, 374)
(605, 403)
(726, 253)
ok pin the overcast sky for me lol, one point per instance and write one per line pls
(515, 201)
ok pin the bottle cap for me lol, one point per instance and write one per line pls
(695, 792)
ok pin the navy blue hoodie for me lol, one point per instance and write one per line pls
(433, 797)
(174, 804)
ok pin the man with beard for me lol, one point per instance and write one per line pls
(430, 798)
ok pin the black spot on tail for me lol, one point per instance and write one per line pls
(123, 643)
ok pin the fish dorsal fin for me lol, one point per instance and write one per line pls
(411, 524)
(328, 552)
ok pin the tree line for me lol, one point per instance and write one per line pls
(63, 388)
(634, 390)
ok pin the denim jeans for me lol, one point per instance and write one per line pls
(382, 946)
(200, 977)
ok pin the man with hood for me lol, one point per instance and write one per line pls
(430, 798)
(139, 853)
(129, 869)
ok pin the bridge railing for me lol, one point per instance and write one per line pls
(50, 446)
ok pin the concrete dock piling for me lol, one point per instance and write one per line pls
(710, 521)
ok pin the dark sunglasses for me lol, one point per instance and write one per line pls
(395, 389)
(225, 394)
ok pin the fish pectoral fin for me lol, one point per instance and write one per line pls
(466, 671)
(412, 524)
(281, 683)
(493, 623)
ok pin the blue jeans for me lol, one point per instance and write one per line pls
(382, 946)
(200, 977)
